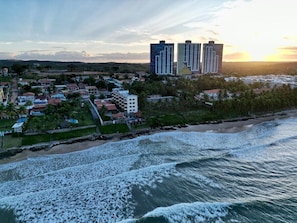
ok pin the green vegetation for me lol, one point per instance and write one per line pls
(181, 109)
(34, 139)
(114, 128)
(56, 115)
(6, 124)
(11, 141)
(184, 108)
(259, 68)
(20, 66)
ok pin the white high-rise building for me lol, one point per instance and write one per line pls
(188, 57)
(212, 58)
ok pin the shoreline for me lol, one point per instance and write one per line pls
(226, 126)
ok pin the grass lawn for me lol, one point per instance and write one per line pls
(84, 116)
(6, 124)
(10, 141)
(180, 118)
(49, 122)
(113, 128)
(34, 139)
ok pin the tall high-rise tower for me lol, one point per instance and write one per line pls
(212, 58)
(188, 57)
(162, 55)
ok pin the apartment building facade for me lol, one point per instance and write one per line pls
(188, 58)
(212, 58)
(161, 58)
(127, 102)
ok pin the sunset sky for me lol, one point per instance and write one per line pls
(122, 30)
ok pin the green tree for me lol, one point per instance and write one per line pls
(11, 110)
(22, 110)
(92, 98)
(17, 68)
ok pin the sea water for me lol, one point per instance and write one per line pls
(249, 176)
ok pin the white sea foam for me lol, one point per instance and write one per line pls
(191, 212)
(107, 199)
(96, 184)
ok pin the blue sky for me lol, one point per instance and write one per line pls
(121, 30)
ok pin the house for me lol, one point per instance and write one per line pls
(18, 126)
(60, 87)
(26, 97)
(72, 87)
(93, 90)
(46, 82)
(59, 96)
(157, 98)
(40, 100)
(118, 116)
(110, 107)
(214, 95)
(84, 94)
(40, 104)
(81, 86)
(53, 101)
(24, 82)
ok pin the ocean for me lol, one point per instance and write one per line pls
(170, 177)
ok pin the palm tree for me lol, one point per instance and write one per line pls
(22, 110)
(10, 109)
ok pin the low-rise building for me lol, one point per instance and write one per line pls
(127, 102)
(40, 103)
(214, 95)
(93, 90)
(24, 82)
(110, 107)
(59, 96)
(157, 98)
(72, 87)
(46, 81)
(26, 97)
(60, 87)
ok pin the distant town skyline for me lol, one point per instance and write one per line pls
(122, 31)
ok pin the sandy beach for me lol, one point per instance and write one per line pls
(222, 127)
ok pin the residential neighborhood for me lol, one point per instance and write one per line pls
(54, 100)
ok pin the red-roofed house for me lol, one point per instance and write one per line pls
(54, 101)
(213, 94)
(107, 104)
(72, 87)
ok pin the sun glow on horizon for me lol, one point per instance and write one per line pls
(257, 30)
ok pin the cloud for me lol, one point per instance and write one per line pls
(288, 53)
(125, 57)
(82, 56)
(5, 43)
(237, 56)
(290, 49)
(6, 55)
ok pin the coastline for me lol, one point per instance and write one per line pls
(226, 126)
